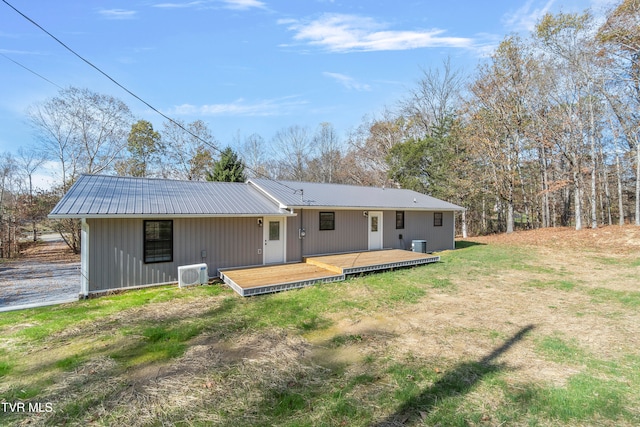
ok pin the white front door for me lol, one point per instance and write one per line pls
(375, 230)
(273, 240)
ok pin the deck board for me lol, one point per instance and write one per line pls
(326, 268)
(272, 274)
(365, 259)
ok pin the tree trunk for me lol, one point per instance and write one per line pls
(545, 189)
(594, 200)
(620, 203)
(607, 192)
(594, 165)
(637, 182)
(577, 200)
(483, 216)
(464, 224)
(510, 219)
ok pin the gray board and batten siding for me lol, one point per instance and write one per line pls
(223, 224)
(350, 202)
(351, 232)
(117, 256)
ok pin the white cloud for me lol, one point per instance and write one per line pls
(118, 13)
(19, 52)
(347, 33)
(179, 5)
(227, 4)
(348, 82)
(527, 16)
(244, 4)
(240, 107)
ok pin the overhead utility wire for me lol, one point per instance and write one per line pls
(213, 147)
(31, 71)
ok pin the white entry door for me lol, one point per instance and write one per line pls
(375, 230)
(273, 240)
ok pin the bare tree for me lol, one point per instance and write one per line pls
(84, 131)
(370, 144)
(568, 38)
(325, 166)
(28, 162)
(7, 203)
(434, 98)
(499, 118)
(189, 154)
(55, 130)
(620, 34)
(254, 156)
(296, 150)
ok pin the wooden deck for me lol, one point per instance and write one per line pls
(318, 269)
(359, 262)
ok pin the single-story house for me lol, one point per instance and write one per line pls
(136, 232)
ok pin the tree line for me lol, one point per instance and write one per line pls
(544, 133)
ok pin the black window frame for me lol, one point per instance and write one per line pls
(327, 224)
(438, 219)
(399, 220)
(168, 242)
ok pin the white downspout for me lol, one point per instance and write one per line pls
(84, 259)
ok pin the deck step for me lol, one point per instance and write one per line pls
(389, 265)
(246, 291)
(326, 266)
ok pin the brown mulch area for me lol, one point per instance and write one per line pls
(623, 240)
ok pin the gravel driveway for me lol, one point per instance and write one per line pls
(42, 279)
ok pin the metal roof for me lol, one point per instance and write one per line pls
(103, 196)
(291, 194)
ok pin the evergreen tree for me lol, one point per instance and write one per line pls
(228, 169)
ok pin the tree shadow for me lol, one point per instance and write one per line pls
(464, 244)
(458, 381)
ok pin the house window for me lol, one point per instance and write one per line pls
(158, 241)
(437, 219)
(399, 220)
(327, 220)
(274, 230)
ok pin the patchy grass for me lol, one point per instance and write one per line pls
(629, 299)
(514, 330)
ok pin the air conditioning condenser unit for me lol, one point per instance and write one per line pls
(195, 274)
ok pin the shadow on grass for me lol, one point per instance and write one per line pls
(463, 244)
(456, 382)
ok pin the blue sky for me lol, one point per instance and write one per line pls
(248, 66)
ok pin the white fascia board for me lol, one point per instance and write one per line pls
(167, 216)
(268, 195)
(373, 208)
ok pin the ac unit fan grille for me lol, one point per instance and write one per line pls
(190, 276)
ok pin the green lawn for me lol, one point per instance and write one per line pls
(492, 335)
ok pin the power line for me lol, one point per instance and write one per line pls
(179, 125)
(31, 71)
